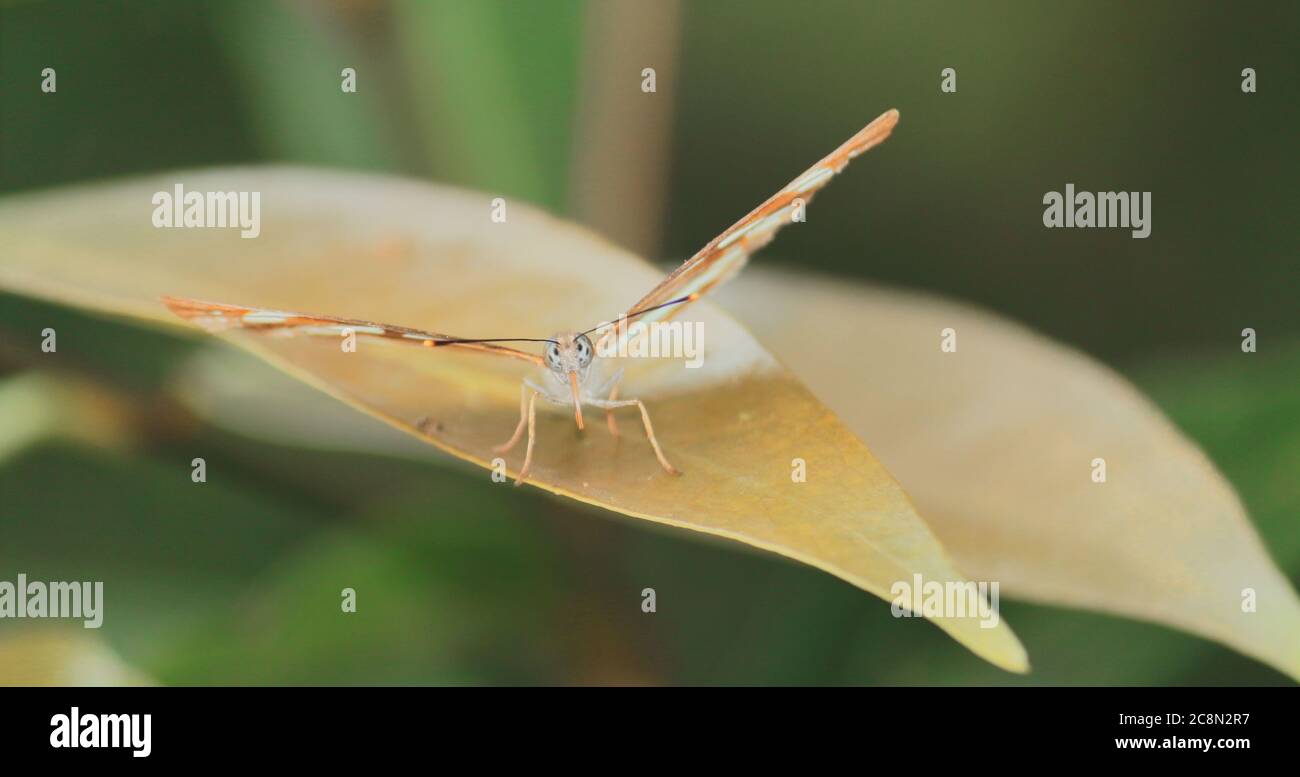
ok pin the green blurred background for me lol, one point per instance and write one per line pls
(460, 581)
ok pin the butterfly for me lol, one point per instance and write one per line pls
(567, 357)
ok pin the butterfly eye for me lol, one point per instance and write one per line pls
(584, 350)
(553, 356)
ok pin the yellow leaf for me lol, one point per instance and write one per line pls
(997, 441)
(52, 656)
(408, 253)
(36, 406)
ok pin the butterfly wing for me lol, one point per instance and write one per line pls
(218, 317)
(727, 253)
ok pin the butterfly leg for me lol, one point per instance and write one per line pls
(523, 417)
(611, 404)
(528, 451)
(609, 411)
(611, 386)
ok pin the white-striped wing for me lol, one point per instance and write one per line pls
(727, 253)
(218, 317)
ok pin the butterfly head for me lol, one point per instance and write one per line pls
(569, 356)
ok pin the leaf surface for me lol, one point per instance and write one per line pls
(996, 442)
(412, 254)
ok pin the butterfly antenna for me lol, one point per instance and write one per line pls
(643, 311)
(456, 340)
